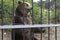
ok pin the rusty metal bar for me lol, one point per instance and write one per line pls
(23, 1)
(32, 20)
(55, 21)
(13, 34)
(2, 17)
(48, 19)
(23, 28)
(55, 33)
(13, 14)
(41, 19)
(2, 13)
(13, 30)
(32, 12)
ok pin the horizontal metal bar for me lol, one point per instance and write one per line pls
(28, 26)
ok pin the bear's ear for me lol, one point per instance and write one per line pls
(19, 2)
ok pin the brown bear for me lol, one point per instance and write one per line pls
(22, 16)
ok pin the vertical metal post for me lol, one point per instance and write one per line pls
(55, 22)
(13, 14)
(48, 19)
(13, 30)
(32, 13)
(2, 18)
(41, 19)
(23, 1)
(58, 14)
(32, 20)
(23, 28)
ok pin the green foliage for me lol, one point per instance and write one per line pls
(8, 11)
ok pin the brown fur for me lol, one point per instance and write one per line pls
(22, 16)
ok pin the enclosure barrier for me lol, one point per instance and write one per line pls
(2, 26)
(28, 26)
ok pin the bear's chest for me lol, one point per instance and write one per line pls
(23, 20)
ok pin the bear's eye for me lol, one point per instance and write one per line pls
(27, 5)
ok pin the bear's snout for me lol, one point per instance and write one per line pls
(29, 9)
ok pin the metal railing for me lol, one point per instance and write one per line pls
(41, 25)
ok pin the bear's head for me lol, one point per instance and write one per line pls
(23, 8)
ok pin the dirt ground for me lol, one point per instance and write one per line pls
(7, 36)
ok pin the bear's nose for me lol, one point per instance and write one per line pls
(29, 9)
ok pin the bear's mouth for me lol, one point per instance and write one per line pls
(28, 10)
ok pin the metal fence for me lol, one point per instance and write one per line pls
(41, 25)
